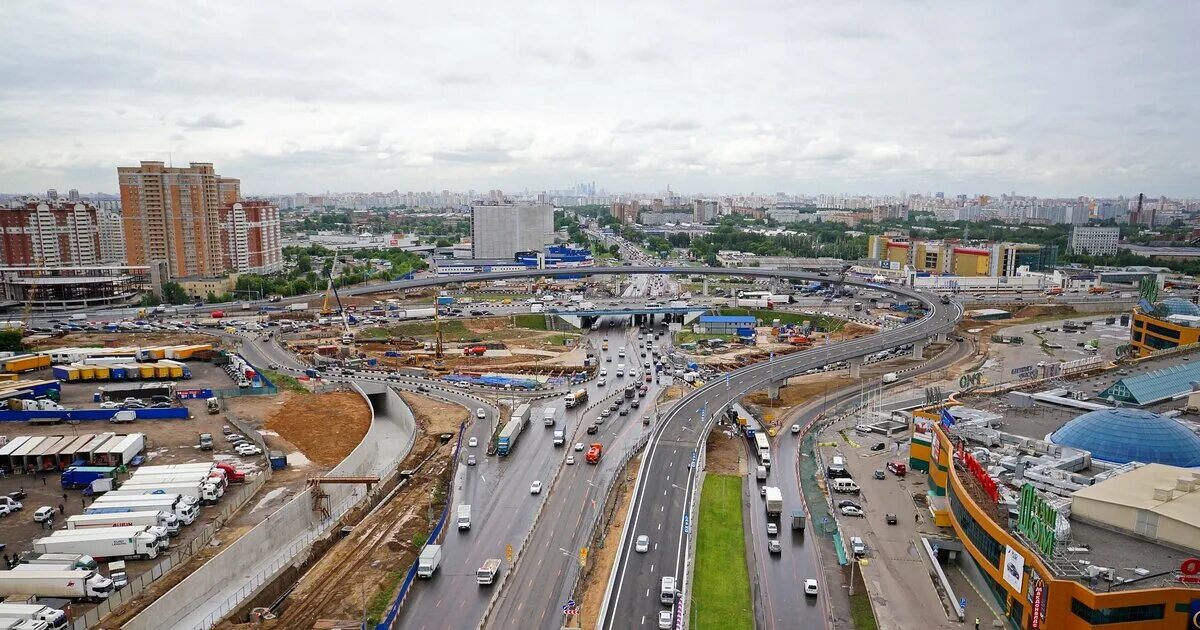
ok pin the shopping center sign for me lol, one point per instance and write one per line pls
(980, 473)
(1037, 519)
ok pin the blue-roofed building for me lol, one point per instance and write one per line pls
(1152, 387)
(726, 324)
(1121, 436)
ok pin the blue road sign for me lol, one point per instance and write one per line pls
(962, 603)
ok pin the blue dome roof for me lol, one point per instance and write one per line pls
(1126, 435)
(1176, 306)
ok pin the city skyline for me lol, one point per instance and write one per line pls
(871, 100)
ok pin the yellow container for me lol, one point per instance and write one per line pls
(176, 371)
(146, 370)
(9, 377)
(162, 371)
(102, 372)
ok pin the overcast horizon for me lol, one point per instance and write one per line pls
(1064, 100)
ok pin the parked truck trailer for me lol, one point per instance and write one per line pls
(76, 585)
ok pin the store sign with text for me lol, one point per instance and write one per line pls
(1038, 612)
(1037, 519)
(980, 473)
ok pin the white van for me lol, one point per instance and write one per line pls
(667, 593)
(846, 486)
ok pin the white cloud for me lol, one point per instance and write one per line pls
(705, 96)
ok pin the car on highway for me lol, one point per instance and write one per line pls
(604, 413)
(570, 460)
(623, 412)
(579, 446)
(795, 428)
(603, 371)
(471, 460)
(643, 544)
(473, 442)
(601, 383)
(772, 529)
(665, 620)
(850, 510)
(592, 429)
(773, 546)
(462, 385)
(634, 403)
(535, 487)
(810, 587)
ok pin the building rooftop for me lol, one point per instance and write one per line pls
(728, 319)
(1152, 387)
(1136, 489)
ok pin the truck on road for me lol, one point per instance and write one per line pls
(512, 431)
(78, 584)
(548, 416)
(798, 518)
(576, 398)
(464, 517)
(890, 377)
(431, 557)
(774, 501)
(206, 442)
(560, 437)
(486, 574)
(594, 452)
(298, 306)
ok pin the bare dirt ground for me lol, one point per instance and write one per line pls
(725, 454)
(369, 563)
(325, 427)
(596, 581)
(112, 340)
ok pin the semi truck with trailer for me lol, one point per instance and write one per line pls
(123, 519)
(76, 585)
(53, 618)
(200, 491)
(112, 542)
(76, 560)
(511, 432)
(185, 510)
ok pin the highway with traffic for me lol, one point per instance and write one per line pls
(663, 508)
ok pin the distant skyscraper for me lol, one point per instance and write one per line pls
(52, 194)
(171, 214)
(73, 195)
(500, 231)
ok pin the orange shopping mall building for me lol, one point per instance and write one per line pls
(1034, 584)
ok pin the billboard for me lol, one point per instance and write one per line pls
(1037, 519)
(1014, 565)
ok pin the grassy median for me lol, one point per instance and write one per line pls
(721, 593)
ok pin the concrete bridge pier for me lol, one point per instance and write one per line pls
(705, 286)
(918, 350)
(941, 338)
(773, 389)
(855, 367)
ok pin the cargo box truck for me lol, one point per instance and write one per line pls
(76, 560)
(431, 557)
(76, 585)
(202, 492)
(464, 517)
(186, 511)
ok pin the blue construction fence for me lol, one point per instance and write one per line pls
(394, 610)
(173, 413)
(494, 381)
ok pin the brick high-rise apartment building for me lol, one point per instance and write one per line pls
(171, 214)
(55, 234)
(250, 237)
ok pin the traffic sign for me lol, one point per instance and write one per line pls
(583, 556)
(962, 603)
(570, 608)
(508, 553)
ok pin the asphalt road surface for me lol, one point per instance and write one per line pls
(663, 504)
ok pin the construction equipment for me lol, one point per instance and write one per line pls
(319, 495)
(331, 288)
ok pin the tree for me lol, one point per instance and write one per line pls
(10, 341)
(173, 293)
(304, 264)
(443, 242)
(211, 298)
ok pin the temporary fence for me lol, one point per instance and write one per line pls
(394, 610)
(69, 415)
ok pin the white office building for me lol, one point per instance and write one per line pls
(1094, 241)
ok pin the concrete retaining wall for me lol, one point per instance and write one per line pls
(285, 536)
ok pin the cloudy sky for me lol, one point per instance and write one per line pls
(1047, 98)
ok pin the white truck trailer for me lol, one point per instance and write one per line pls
(54, 618)
(186, 511)
(112, 542)
(78, 585)
(200, 492)
(125, 519)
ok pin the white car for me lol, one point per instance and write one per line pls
(850, 510)
(480, 414)
(473, 442)
(795, 428)
(665, 620)
(601, 382)
(43, 513)
(643, 544)
(570, 460)
(579, 446)
(247, 449)
(603, 371)
(462, 384)
(535, 487)
(110, 404)
(772, 529)
(810, 587)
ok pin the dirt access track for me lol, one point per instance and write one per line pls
(369, 563)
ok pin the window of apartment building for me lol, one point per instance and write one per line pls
(983, 541)
(1148, 612)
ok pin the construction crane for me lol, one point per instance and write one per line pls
(331, 288)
